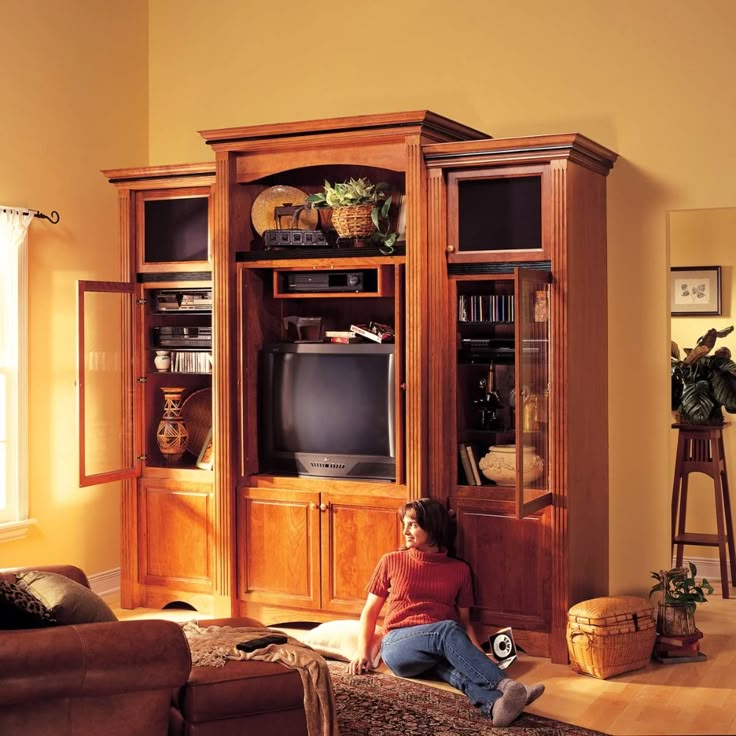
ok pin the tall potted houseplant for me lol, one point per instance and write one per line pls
(703, 384)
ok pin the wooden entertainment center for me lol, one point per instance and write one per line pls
(497, 297)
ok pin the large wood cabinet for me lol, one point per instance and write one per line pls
(169, 552)
(523, 221)
(497, 297)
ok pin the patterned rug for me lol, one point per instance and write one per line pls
(382, 705)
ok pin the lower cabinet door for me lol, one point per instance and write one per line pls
(278, 547)
(356, 531)
(511, 562)
(174, 540)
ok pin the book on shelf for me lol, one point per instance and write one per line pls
(465, 462)
(205, 460)
(374, 331)
(474, 465)
(342, 336)
(346, 340)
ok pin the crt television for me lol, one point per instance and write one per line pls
(327, 409)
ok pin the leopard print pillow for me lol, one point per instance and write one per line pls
(20, 610)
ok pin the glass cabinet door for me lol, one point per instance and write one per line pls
(532, 391)
(502, 387)
(105, 382)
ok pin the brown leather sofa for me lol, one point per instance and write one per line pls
(134, 678)
(113, 678)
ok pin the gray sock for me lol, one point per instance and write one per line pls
(533, 692)
(512, 701)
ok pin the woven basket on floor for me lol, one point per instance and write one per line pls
(354, 221)
(610, 635)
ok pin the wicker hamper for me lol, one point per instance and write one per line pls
(610, 635)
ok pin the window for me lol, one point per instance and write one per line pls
(13, 372)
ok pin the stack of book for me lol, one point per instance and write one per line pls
(675, 649)
(374, 331)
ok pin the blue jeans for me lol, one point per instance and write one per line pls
(443, 649)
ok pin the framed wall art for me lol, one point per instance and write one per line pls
(695, 290)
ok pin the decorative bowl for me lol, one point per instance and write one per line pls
(499, 464)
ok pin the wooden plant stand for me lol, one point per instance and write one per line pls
(700, 450)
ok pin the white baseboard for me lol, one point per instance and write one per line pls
(708, 567)
(105, 582)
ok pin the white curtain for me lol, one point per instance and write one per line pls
(13, 369)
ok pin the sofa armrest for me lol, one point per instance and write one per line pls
(70, 571)
(92, 659)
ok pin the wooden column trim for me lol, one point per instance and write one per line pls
(437, 356)
(129, 588)
(223, 373)
(558, 410)
(416, 320)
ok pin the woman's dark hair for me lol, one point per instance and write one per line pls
(433, 518)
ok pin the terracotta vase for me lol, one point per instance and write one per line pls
(172, 434)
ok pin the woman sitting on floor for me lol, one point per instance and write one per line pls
(427, 624)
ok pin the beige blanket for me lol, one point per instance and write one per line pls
(214, 645)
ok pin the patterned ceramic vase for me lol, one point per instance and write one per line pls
(172, 434)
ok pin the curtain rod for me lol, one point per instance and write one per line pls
(53, 218)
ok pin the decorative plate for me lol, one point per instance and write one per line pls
(262, 212)
(197, 414)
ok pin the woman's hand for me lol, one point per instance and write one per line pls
(358, 666)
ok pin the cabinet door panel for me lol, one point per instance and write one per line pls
(175, 544)
(511, 563)
(279, 547)
(361, 529)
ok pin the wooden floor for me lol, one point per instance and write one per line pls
(661, 699)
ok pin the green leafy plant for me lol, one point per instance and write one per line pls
(349, 193)
(679, 586)
(703, 384)
(359, 192)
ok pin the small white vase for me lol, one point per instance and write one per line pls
(499, 464)
(162, 361)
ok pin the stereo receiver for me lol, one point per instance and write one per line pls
(315, 281)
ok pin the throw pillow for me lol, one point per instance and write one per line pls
(20, 610)
(70, 602)
(339, 640)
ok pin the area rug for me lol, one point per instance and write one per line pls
(383, 705)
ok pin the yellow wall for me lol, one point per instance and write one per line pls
(705, 238)
(651, 80)
(74, 101)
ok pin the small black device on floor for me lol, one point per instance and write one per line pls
(261, 642)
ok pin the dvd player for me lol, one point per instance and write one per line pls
(311, 281)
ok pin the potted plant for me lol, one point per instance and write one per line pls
(703, 384)
(360, 209)
(681, 593)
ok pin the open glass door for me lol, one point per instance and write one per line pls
(105, 382)
(532, 385)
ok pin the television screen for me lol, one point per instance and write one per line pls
(328, 409)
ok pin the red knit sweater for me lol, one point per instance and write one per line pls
(421, 587)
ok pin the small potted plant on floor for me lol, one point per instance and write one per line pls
(360, 209)
(703, 384)
(681, 593)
